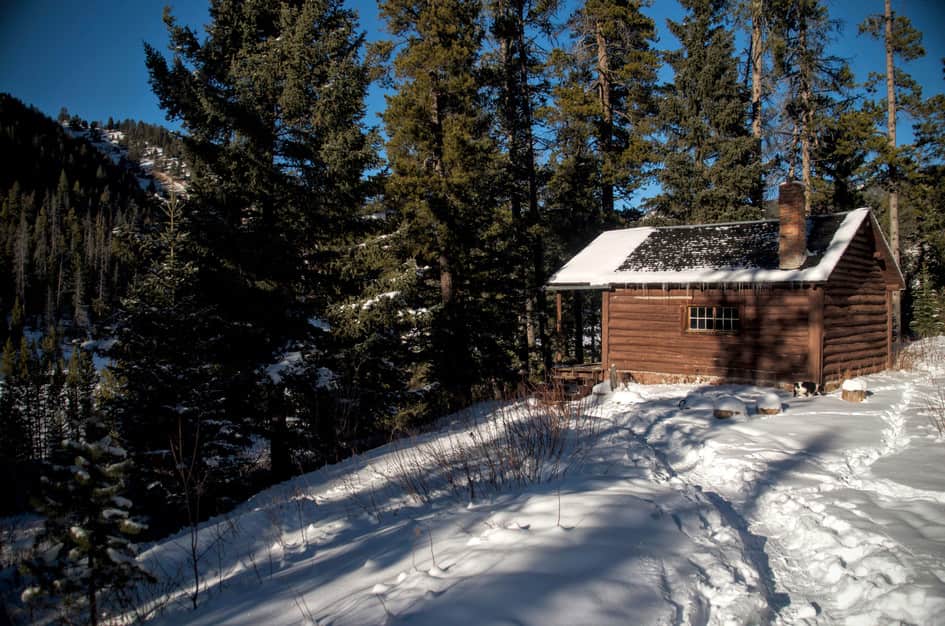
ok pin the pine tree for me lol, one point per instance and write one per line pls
(85, 556)
(602, 120)
(609, 87)
(170, 389)
(272, 100)
(27, 380)
(928, 307)
(759, 16)
(80, 384)
(925, 188)
(904, 42)
(710, 165)
(516, 68)
(15, 444)
(817, 100)
(389, 316)
(442, 161)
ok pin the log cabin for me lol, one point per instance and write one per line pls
(796, 299)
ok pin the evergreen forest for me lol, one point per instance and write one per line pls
(320, 286)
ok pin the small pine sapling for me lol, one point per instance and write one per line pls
(85, 557)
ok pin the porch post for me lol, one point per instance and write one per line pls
(558, 312)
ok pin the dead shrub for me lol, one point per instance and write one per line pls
(535, 437)
(935, 406)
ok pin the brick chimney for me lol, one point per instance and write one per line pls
(792, 242)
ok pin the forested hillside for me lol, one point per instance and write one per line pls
(318, 287)
(66, 208)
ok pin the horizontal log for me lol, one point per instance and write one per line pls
(859, 248)
(745, 337)
(834, 299)
(854, 261)
(878, 303)
(704, 345)
(764, 295)
(667, 358)
(658, 325)
(834, 311)
(741, 296)
(685, 369)
(796, 374)
(838, 277)
(672, 325)
(865, 347)
(831, 349)
(654, 313)
(861, 289)
(851, 356)
(745, 311)
(853, 338)
(856, 257)
(834, 334)
(853, 368)
(863, 280)
(854, 319)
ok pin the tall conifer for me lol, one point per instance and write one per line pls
(902, 43)
(272, 100)
(709, 162)
(442, 162)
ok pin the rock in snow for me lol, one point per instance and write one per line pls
(729, 406)
(769, 403)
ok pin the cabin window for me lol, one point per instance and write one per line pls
(713, 319)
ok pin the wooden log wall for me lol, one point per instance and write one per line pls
(646, 331)
(856, 312)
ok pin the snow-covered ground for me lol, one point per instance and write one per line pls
(829, 512)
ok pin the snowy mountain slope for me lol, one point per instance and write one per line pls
(154, 169)
(826, 513)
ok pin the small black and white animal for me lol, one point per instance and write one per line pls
(806, 389)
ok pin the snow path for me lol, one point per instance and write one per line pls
(845, 545)
(830, 512)
(752, 545)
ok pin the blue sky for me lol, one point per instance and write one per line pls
(88, 56)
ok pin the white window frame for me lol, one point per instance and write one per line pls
(713, 319)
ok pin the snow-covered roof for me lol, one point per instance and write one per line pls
(738, 252)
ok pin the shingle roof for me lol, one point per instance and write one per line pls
(741, 252)
(725, 246)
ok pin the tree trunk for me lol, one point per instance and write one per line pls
(93, 604)
(607, 117)
(893, 182)
(578, 327)
(446, 279)
(806, 117)
(280, 465)
(756, 69)
(756, 58)
(444, 262)
(537, 295)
